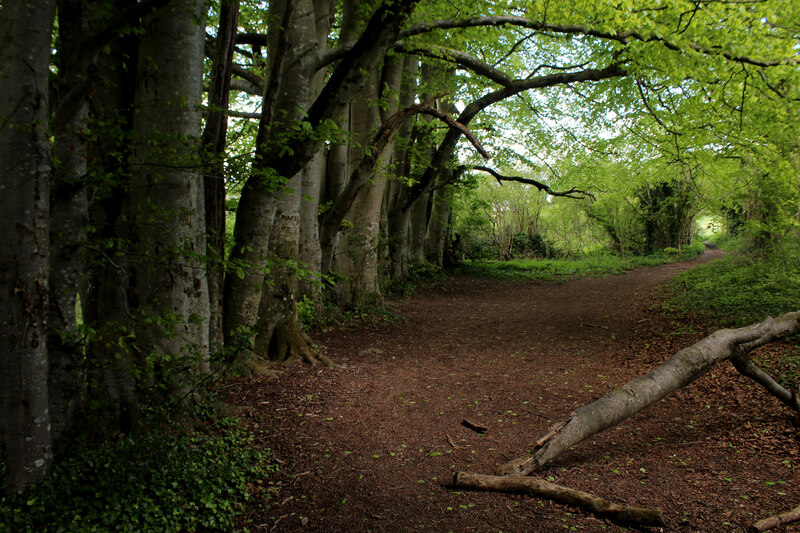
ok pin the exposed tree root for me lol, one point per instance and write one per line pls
(289, 342)
(777, 520)
(623, 514)
(679, 371)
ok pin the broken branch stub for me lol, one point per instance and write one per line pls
(679, 371)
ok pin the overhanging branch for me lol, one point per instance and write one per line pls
(538, 184)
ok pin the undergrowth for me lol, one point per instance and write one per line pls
(315, 316)
(176, 480)
(739, 289)
(566, 269)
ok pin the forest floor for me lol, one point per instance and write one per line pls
(371, 445)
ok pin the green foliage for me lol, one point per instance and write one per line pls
(739, 289)
(161, 481)
(307, 312)
(331, 315)
(565, 269)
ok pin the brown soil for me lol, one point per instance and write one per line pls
(371, 445)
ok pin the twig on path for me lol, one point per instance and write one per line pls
(477, 428)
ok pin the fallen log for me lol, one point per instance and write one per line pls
(777, 520)
(622, 514)
(679, 371)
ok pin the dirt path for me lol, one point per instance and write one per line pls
(371, 446)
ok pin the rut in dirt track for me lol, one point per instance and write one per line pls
(371, 445)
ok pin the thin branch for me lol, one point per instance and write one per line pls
(621, 36)
(538, 184)
(461, 58)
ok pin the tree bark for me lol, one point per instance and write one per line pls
(679, 371)
(624, 514)
(69, 218)
(25, 171)
(166, 205)
(347, 79)
(214, 136)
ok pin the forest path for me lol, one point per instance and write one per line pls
(372, 444)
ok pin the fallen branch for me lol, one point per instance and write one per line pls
(473, 426)
(624, 514)
(679, 371)
(777, 520)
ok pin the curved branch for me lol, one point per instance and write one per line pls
(448, 145)
(461, 58)
(538, 184)
(622, 36)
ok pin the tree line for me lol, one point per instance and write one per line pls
(125, 142)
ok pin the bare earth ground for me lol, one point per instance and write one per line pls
(372, 445)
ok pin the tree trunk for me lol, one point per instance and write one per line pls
(439, 222)
(69, 219)
(679, 371)
(166, 206)
(310, 252)
(25, 167)
(348, 78)
(107, 304)
(396, 219)
(214, 136)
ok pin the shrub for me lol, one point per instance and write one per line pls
(161, 481)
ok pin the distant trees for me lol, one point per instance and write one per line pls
(122, 282)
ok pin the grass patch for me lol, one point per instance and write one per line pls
(738, 289)
(566, 269)
(161, 481)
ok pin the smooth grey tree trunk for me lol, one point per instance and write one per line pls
(166, 206)
(25, 171)
(397, 221)
(310, 252)
(439, 222)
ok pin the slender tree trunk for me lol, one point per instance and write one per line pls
(25, 168)
(439, 222)
(69, 219)
(107, 305)
(397, 221)
(310, 252)
(166, 205)
(214, 136)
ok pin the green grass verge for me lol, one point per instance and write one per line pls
(738, 289)
(565, 269)
(161, 481)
